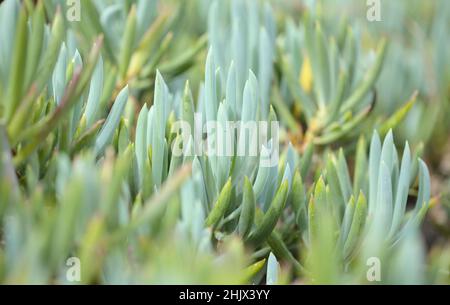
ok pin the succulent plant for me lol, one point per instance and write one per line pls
(138, 36)
(369, 215)
(327, 86)
(386, 182)
(243, 33)
(108, 162)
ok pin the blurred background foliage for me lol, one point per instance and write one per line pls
(88, 166)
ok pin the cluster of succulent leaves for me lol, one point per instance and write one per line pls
(88, 168)
(417, 52)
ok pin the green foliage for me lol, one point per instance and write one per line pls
(90, 167)
(324, 82)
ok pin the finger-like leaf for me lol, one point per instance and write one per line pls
(272, 270)
(398, 116)
(360, 172)
(221, 206)
(271, 217)
(358, 221)
(374, 166)
(127, 43)
(16, 74)
(248, 209)
(369, 80)
(36, 43)
(401, 196)
(95, 93)
(112, 122)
